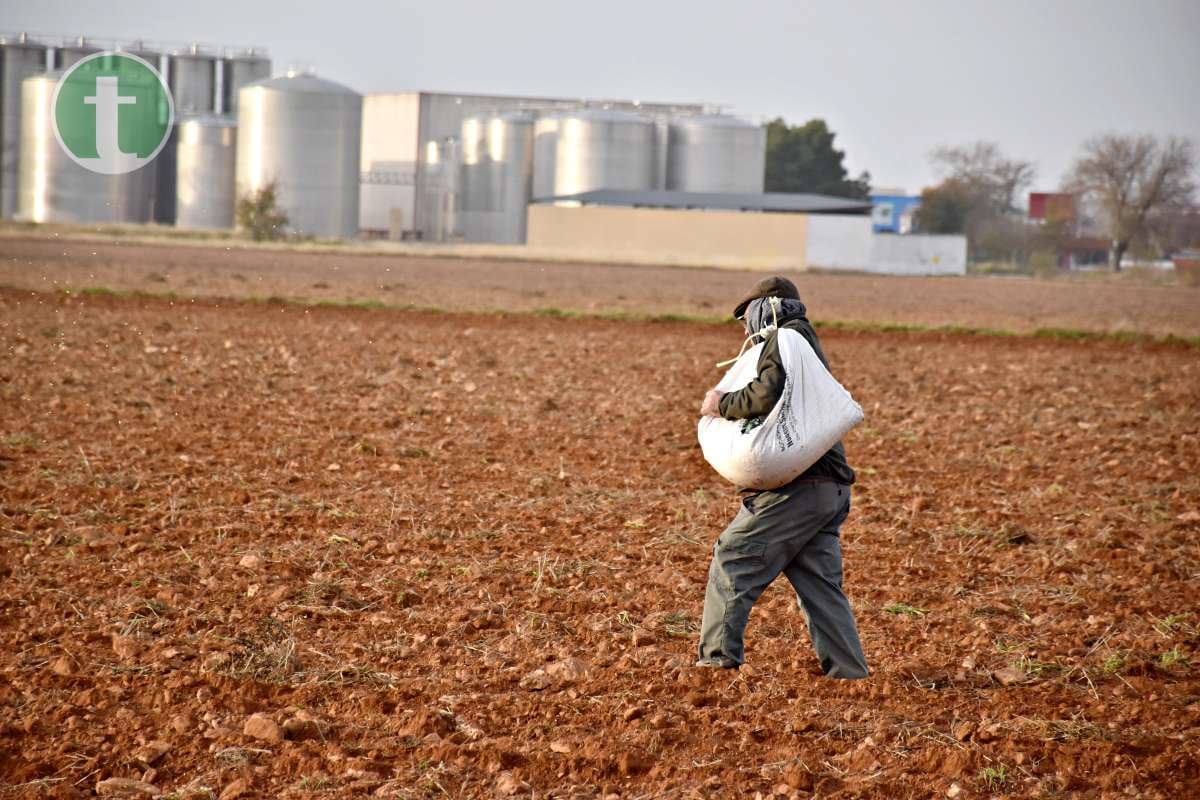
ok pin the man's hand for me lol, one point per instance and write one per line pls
(711, 407)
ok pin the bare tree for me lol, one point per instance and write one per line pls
(990, 175)
(983, 185)
(1132, 180)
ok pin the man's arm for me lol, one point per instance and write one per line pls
(759, 396)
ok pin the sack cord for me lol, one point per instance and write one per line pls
(775, 303)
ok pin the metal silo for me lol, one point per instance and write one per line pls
(497, 173)
(53, 188)
(205, 168)
(20, 58)
(545, 146)
(164, 189)
(662, 138)
(715, 154)
(192, 77)
(304, 133)
(603, 149)
(238, 70)
(151, 57)
(436, 196)
(475, 192)
(68, 53)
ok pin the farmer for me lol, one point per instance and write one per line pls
(792, 529)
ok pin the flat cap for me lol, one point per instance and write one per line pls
(775, 286)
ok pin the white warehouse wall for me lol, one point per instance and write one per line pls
(918, 254)
(839, 241)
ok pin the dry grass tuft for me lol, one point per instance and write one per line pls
(268, 654)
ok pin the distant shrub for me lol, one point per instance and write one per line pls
(258, 214)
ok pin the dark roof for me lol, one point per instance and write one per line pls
(771, 201)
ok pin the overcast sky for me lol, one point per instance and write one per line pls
(893, 79)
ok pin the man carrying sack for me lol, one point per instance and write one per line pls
(792, 529)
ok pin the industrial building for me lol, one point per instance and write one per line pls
(413, 144)
(894, 211)
(513, 158)
(762, 231)
(681, 183)
(746, 230)
(39, 182)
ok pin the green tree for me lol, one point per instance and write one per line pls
(803, 159)
(259, 214)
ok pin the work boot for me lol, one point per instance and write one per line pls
(717, 662)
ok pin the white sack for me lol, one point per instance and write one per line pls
(812, 414)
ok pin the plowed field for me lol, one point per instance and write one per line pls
(1013, 304)
(263, 550)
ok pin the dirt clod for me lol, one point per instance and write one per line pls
(632, 764)
(508, 785)
(126, 788)
(302, 725)
(150, 753)
(126, 647)
(234, 789)
(261, 726)
(1008, 676)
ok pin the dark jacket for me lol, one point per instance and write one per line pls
(759, 396)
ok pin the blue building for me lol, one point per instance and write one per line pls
(893, 213)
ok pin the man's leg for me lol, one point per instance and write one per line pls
(743, 564)
(816, 574)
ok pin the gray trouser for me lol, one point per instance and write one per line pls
(796, 534)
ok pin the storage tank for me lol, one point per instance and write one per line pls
(205, 170)
(53, 188)
(304, 133)
(164, 162)
(20, 58)
(164, 189)
(603, 149)
(238, 70)
(437, 189)
(151, 57)
(711, 153)
(497, 175)
(662, 136)
(192, 76)
(68, 53)
(545, 146)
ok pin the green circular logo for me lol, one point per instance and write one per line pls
(112, 112)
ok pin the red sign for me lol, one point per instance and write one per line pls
(1052, 206)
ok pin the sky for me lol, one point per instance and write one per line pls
(893, 80)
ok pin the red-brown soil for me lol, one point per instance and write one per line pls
(1014, 304)
(274, 551)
